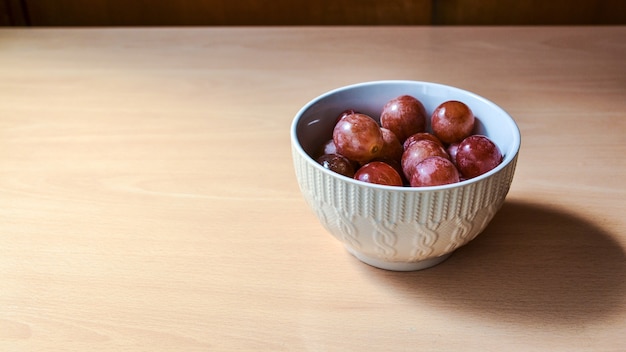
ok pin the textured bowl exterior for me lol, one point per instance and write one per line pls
(400, 228)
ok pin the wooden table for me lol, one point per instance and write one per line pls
(148, 200)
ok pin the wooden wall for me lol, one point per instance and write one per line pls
(309, 12)
(529, 12)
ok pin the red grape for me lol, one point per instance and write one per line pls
(434, 171)
(344, 114)
(419, 136)
(452, 149)
(404, 116)
(380, 173)
(393, 163)
(328, 148)
(392, 148)
(358, 137)
(452, 121)
(477, 155)
(419, 151)
(337, 163)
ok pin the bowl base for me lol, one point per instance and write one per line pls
(399, 266)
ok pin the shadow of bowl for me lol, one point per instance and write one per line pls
(532, 264)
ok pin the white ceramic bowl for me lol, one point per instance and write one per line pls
(400, 228)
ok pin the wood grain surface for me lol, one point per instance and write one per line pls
(148, 201)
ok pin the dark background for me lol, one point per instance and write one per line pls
(310, 12)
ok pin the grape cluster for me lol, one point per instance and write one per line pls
(399, 151)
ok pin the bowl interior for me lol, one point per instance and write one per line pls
(314, 123)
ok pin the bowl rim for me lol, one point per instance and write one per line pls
(508, 158)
